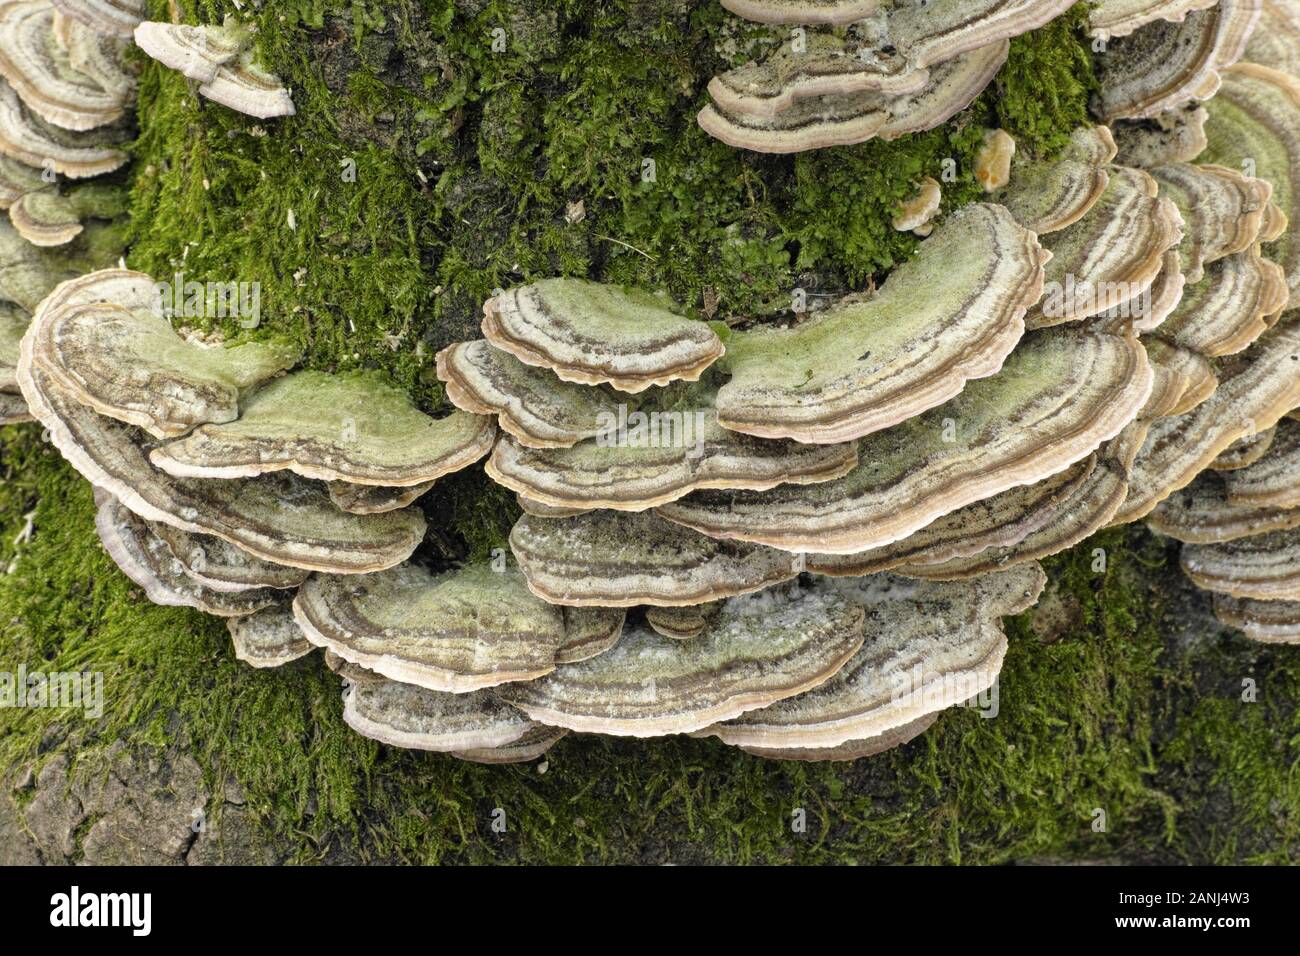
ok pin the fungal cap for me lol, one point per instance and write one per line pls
(758, 650)
(128, 362)
(458, 631)
(591, 333)
(623, 559)
(351, 428)
(532, 404)
(1001, 432)
(950, 314)
(269, 638)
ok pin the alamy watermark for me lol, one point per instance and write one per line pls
(631, 429)
(57, 690)
(133, 911)
(190, 299)
(976, 689)
(1073, 299)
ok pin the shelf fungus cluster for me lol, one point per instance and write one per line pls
(223, 476)
(1219, 472)
(221, 61)
(799, 536)
(809, 532)
(67, 89)
(856, 70)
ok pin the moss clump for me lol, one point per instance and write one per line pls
(426, 168)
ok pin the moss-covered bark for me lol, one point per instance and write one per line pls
(425, 169)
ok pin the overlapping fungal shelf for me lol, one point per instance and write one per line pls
(799, 535)
(221, 61)
(1222, 477)
(864, 69)
(67, 89)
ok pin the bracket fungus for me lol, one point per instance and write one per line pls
(1166, 64)
(1203, 513)
(1200, 380)
(1057, 398)
(819, 65)
(38, 69)
(923, 33)
(100, 56)
(77, 155)
(1117, 18)
(915, 214)
(589, 632)
(374, 499)
(404, 715)
(1271, 622)
(658, 458)
(805, 11)
(458, 631)
(622, 559)
(146, 560)
(268, 638)
(1232, 305)
(1273, 478)
(993, 161)
(1174, 136)
(16, 180)
(1047, 194)
(333, 428)
(49, 217)
(928, 647)
(905, 68)
(759, 542)
(950, 314)
(1257, 387)
(1264, 567)
(1276, 41)
(1112, 255)
(1254, 124)
(1223, 211)
(1088, 507)
(196, 52)
(756, 651)
(533, 744)
(1012, 529)
(29, 273)
(851, 749)
(532, 404)
(681, 623)
(590, 333)
(843, 119)
(538, 510)
(1000, 521)
(221, 60)
(1153, 306)
(222, 566)
(130, 364)
(118, 17)
(279, 518)
(1245, 451)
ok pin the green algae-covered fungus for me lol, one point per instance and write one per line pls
(952, 313)
(333, 428)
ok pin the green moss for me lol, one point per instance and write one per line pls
(467, 163)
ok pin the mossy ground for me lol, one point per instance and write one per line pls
(469, 164)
